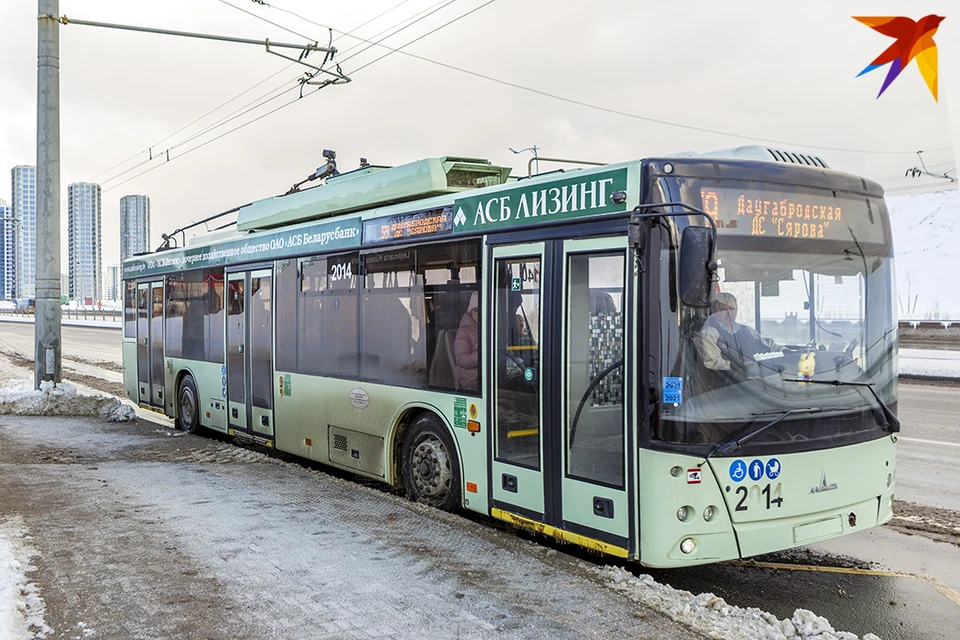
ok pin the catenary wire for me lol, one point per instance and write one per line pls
(260, 101)
(263, 115)
(624, 113)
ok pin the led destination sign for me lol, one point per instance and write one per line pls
(408, 225)
(806, 214)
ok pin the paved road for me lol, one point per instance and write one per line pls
(929, 452)
(142, 533)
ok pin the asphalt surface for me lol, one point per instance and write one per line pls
(928, 468)
(143, 532)
(881, 581)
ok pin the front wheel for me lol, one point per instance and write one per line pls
(188, 406)
(429, 465)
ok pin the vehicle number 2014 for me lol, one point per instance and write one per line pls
(759, 498)
(341, 271)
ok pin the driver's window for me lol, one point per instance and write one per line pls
(518, 361)
(594, 367)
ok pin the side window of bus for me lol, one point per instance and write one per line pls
(285, 323)
(327, 315)
(130, 310)
(194, 326)
(453, 318)
(392, 347)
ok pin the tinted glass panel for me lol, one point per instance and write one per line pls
(215, 317)
(143, 334)
(328, 316)
(392, 344)
(130, 310)
(595, 422)
(175, 303)
(450, 273)
(156, 335)
(235, 341)
(194, 322)
(518, 360)
(286, 320)
(261, 336)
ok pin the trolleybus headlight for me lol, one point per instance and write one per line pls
(685, 514)
(709, 513)
(688, 545)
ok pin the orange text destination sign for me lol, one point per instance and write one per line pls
(763, 213)
(432, 222)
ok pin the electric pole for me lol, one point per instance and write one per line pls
(47, 364)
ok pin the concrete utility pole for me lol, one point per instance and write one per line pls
(47, 364)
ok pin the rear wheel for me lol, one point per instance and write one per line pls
(429, 464)
(188, 406)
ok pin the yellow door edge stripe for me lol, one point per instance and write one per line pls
(559, 534)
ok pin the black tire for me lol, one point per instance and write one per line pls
(188, 406)
(429, 464)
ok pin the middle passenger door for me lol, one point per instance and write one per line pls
(558, 371)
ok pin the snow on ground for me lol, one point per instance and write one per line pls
(925, 226)
(21, 607)
(712, 616)
(20, 398)
(930, 362)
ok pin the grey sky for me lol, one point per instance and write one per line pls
(774, 71)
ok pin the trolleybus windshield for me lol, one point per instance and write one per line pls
(804, 292)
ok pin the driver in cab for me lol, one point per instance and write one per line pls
(722, 338)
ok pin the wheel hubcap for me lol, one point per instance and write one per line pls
(431, 469)
(187, 407)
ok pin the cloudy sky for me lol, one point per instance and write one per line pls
(606, 80)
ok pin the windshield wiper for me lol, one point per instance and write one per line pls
(733, 443)
(892, 423)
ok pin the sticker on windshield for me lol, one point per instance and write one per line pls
(756, 470)
(672, 390)
(738, 470)
(773, 468)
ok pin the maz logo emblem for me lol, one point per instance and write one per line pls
(823, 486)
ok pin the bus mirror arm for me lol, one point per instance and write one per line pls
(698, 262)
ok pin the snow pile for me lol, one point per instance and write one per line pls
(20, 398)
(712, 616)
(21, 607)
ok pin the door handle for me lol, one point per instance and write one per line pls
(240, 348)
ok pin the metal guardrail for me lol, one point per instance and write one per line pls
(114, 315)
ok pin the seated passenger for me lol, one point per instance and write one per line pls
(466, 347)
(722, 338)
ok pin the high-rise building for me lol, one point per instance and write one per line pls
(23, 192)
(113, 282)
(134, 225)
(83, 237)
(8, 255)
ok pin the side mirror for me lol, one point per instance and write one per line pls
(696, 266)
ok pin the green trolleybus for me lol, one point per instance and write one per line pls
(677, 360)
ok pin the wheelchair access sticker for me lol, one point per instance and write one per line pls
(672, 390)
(738, 470)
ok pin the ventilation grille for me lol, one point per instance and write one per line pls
(339, 442)
(782, 155)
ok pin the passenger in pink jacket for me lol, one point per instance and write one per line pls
(466, 347)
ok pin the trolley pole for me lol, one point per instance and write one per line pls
(47, 364)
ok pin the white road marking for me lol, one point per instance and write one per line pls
(944, 444)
